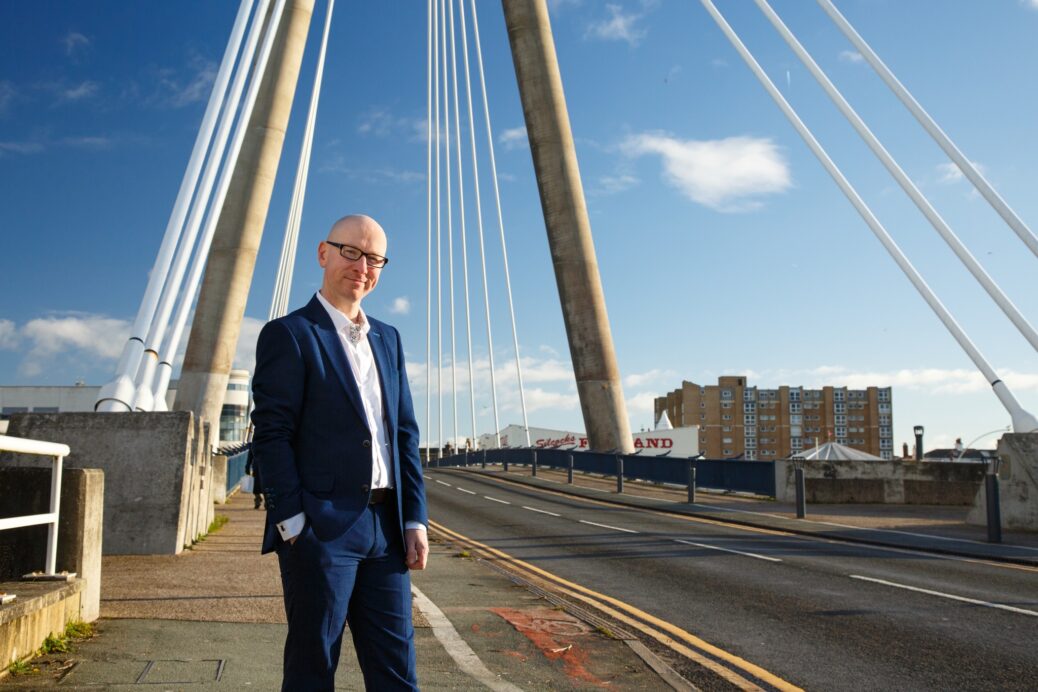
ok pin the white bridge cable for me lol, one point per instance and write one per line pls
(428, 234)
(501, 226)
(283, 283)
(145, 397)
(198, 262)
(479, 221)
(130, 357)
(917, 197)
(450, 225)
(461, 218)
(439, 239)
(930, 125)
(1022, 420)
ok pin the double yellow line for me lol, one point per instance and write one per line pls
(728, 666)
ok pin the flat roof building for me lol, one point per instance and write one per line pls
(234, 417)
(739, 421)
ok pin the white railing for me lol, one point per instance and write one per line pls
(48, 449)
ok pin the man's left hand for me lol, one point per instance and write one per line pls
(416, 545)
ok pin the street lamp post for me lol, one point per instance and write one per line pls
(979, 438)
(918, 430)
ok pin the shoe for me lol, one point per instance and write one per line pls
(258, 503)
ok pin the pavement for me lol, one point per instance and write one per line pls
(213, 616)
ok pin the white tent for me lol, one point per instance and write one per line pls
(832, 451)
(664, 422)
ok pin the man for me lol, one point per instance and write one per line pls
(336, 442)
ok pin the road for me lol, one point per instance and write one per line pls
(813, 613)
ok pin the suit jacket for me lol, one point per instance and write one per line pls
(312, 443)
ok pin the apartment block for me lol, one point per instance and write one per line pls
(738, 421)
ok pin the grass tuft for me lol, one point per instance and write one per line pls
(218, 521)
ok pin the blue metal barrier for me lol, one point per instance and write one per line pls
(756, 477)
(236, 469)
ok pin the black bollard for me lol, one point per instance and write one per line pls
(691, 482)
(619, 473)
(484, 458)
(569, 470)
(994, 508)
(801, 490)
(504, 462)
(533, 466)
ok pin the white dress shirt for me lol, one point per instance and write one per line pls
(365, 373)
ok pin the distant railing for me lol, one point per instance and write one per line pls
(236, 469)
(48, 449)
(756, 477)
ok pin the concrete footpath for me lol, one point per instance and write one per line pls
(212, 617)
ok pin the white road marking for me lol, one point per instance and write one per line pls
(427, 477)
(443, 483)
(728, 550)
(494, 499)
(607, 526)
(945, 595)
(542, 511)
(466, 491)
(458, 649)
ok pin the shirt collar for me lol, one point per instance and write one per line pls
(340, 321)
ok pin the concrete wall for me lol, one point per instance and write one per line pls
(24, 550)
(41, 609)
(1018, 484)
(219, 493)
(883, 482)
(146, 459)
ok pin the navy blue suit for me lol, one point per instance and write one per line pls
(312, 445)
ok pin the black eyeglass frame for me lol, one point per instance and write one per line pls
(374, 261)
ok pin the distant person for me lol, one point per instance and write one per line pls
(337, 444)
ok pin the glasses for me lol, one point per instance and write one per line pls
(353, 254)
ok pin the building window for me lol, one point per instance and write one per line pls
(841, 432)
(726, 451)
(839, 408)
(839, 395)
(795, 442)
(884, 432)
(751, 442)
(750, 419)
(726, 416)
(749, 408)
(796, 419)
(794, 395)
(726, 440)
(726, 394)
(884, 408)
(883, 394)
(751, 454)
(749, 395)
(726, 404)
(794, 430)
(726, 428)
(750, 430)
(840, 420)
(794, 408)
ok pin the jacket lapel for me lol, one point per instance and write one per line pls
(386, 375)
(333, 350)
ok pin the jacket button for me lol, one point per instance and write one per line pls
(365, 488)
(366, 444)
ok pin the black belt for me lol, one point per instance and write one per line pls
(380, 495)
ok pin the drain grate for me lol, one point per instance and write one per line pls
(181, 672)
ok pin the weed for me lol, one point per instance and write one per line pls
(605, 631)
(55, 644)
(464, 553)
(218, 521)
(77, 629)
(21, 668)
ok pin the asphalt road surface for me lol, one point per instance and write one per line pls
(819, 614)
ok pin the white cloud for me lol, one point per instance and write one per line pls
(53, 339)
(654, 375)
(931, 380)
(718, 62)
(513, 138)
(21, 147)
(641, 404)
(724, 174)
(198, 85)
(1033, 4)
(7, 96)
(79, 92)
(851, 56)
(400, 306)
(8, 334)
(949, 173)
(375, 175)
(380, 122)
(74, 41)
(619, 26)
(612, 184)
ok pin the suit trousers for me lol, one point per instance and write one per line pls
(360, 578)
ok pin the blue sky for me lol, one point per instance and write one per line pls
(723, 245)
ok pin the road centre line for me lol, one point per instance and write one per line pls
(607, 526)
(767, 531)
(494, 499)
(442, 483)
(662, 631)
(728, 550)
(945, 595)
(465, 491)
(542, 511)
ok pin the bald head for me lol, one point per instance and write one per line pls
(347, 281)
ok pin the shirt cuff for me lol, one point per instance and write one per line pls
(415, 525)
(291, 527)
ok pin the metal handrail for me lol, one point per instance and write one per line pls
(58, 452)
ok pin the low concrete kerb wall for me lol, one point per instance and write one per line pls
(880, 482)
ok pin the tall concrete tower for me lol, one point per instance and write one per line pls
(232, 256)
(569, 229)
